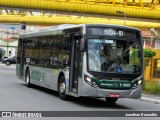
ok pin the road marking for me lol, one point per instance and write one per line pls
(150, 99)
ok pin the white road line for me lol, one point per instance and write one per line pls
(150, 99)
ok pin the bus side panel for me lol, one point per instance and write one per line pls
(44, 77)
(18, 70)
(84, 88)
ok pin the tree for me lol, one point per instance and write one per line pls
(149, 53)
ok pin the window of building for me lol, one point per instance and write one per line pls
(157, 46)
(144, 42)
(149, 44)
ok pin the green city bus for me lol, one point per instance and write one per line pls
(89, 60)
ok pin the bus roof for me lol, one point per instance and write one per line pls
(49, 30)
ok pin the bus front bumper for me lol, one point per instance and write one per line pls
(99, 92)
(132, 93)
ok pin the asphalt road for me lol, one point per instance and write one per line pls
(15, 96)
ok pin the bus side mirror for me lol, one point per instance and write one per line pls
(82, 45)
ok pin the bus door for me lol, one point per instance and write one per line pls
(74, 66)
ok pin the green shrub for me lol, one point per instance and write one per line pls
(149, 53)
(155, 85)
(146, 86)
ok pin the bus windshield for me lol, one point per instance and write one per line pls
(114, 56)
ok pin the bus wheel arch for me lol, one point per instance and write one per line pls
(62, 87)
(59, 78)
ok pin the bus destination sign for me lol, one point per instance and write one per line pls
(111, 32)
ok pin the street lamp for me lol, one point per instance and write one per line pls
(122, 13)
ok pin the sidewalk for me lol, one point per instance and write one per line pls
(151, 98)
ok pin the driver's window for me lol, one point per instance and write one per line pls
(93, 56)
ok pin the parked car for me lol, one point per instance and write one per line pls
(4, 58)
(9, 61)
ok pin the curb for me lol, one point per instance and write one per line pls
(150, 100)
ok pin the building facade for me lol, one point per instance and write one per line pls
(9, 47)
(9, 35)
(151, 40)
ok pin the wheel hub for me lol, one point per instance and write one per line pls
(62, 87)
(27, 79)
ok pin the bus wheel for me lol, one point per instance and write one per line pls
(27, 78)
(62, 89)
(111, 100)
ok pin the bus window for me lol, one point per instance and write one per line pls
(66, 51)
(28, 45)
(45, 52)
(35, 55)
(54, 51)
(114, 56)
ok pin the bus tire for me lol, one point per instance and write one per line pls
(27, 78)
(62, 89)
(111, 100)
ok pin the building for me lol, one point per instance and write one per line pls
(9, 47)
(151, 40)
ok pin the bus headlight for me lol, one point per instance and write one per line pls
(140, 82)
(137, 83)
(90, 81)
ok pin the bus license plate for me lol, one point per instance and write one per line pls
(114, 95)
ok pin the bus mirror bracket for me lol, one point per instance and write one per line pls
(79, 37)
(82, 45)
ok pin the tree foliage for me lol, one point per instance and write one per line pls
(149, 53)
